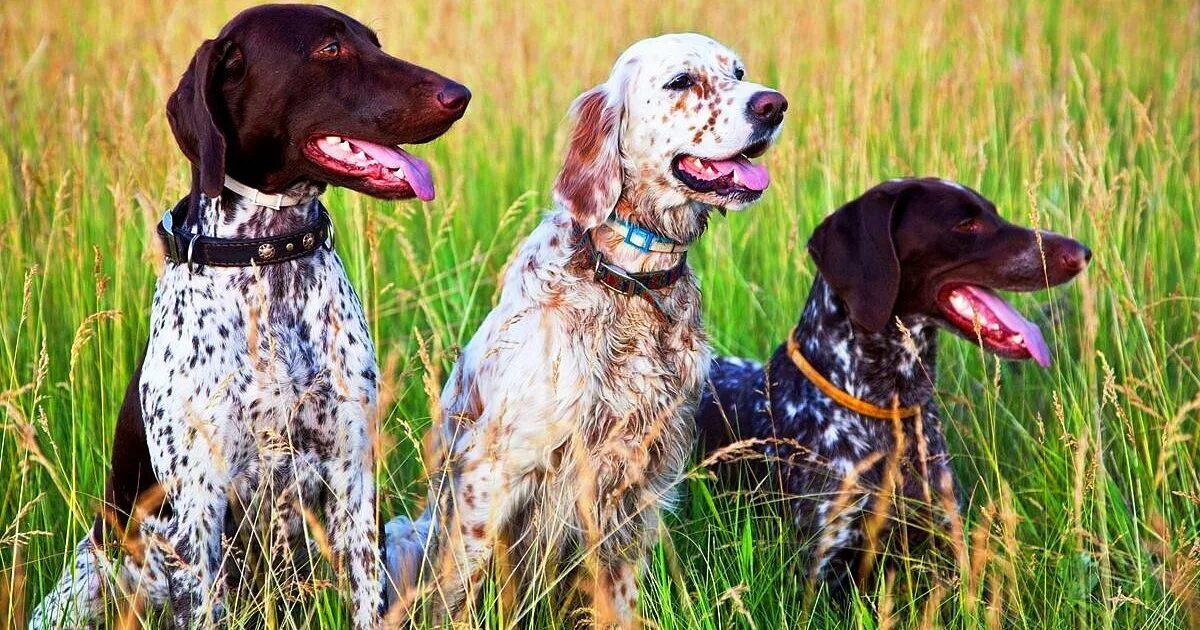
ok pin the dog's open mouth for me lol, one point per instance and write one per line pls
(734, 176)
(1003, 330)
(384, 171)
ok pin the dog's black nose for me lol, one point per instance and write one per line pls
(454, 97)
(767, 107)
(1075, 258)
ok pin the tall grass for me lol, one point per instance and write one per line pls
(1081, 492)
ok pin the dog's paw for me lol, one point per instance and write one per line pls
(405, 542)
(78, 597)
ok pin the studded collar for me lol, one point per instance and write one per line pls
(184, 246)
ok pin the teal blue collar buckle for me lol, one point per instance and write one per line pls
(643, 238)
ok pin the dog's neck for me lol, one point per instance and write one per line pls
(869, 366)
(683, 224)
(236, 217)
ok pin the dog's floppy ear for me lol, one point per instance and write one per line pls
(589, 183)
(855, 253)
(190, 112)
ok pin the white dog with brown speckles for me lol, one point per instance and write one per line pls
(567, 420)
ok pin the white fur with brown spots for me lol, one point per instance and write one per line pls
(567, 420)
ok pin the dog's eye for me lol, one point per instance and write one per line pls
(329, 51)
(680, 82)
(969, 226)
(739, 72)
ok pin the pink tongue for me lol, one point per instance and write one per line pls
(416, 171)
(750, 175)
(1013, 320)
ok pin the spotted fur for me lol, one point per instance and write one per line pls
(815, 444)
(886, 263)
(258, 388)
(566, 421)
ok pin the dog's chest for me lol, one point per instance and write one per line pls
(255, 361)
(633, 378)
(643, 374)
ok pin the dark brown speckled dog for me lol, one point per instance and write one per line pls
(894, 266)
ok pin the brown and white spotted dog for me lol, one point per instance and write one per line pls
(258, 384)
(894, 266)
(567, 420)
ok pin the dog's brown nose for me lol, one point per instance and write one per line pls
(454, 97)
(767, 107)
(1076, 257)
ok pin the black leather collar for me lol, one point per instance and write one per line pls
(182, 246)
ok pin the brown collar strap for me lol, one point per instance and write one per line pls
(182, 246)
(841, 397)
(642, 284)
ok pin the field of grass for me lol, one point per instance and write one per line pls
(1081, 482)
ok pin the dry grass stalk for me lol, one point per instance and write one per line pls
(840, 509)
(733, 595)
(12, 591)
(884, 497)
(1179, 566)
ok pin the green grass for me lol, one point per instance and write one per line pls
(1082, 493)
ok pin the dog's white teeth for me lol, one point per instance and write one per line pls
(960, 303)
(332, 139)
(1018, 339)
(345, 146)
(698, 164)
(736, 179)
(398, 172)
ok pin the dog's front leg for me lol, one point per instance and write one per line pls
(350, 510)
(78, 598)
(481, 503)
(614, 596)
(200, 502)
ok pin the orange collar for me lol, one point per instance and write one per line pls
(857, 405)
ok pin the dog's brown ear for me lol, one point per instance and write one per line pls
(190, 112)
(589, 183)
(855, 253)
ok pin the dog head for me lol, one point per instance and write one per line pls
(936, 248)
(675, 125)
(292, 92)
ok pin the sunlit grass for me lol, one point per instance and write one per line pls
(1082, 496)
